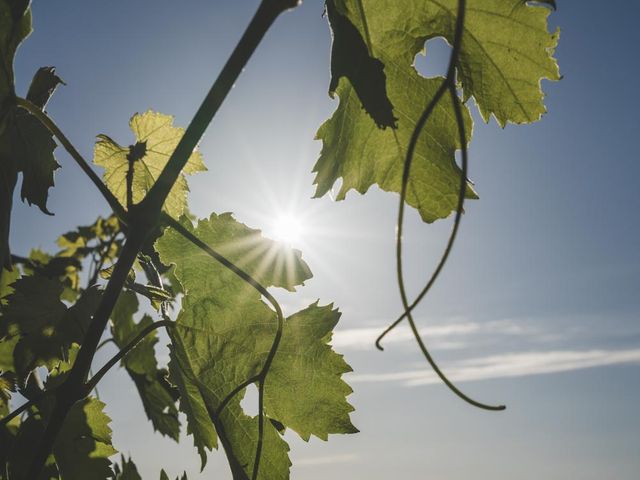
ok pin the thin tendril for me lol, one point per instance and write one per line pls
(39, 397)
(93, 382)
(447, 84)
(18, 411)
(403, 193)
(262, 375)
(416, 334)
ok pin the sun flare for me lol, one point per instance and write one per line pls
(288, 229)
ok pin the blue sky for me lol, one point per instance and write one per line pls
(538, 307)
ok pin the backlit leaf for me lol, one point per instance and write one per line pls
(155, 140)
(224, 332)
(505, 52)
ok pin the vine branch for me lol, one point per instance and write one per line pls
(144, 216)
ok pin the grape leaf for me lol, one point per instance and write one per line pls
(46, 326)
(156, 139)
(15, 26)
(224, 332)
(164, 476)
(65, 269)
(241, 435)
(304, 390)
(7, 387)
(6, 281)
(44, 83)
(25, 144)
(128, 470)
(227, 303)
(141, 365)
(362, 154)
(506, 50)
(350, 58)
(83, 447)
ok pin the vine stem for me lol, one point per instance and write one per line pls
(448, 85)
(142, 218)
(68, 146)
(123, 352)
(261, 377)
(264, 17)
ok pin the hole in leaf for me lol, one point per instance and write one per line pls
(435, 60)
(250, 401)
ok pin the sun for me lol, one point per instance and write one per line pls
(288, 229)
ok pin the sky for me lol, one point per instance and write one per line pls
(538, 307)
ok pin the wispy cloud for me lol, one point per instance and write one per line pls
(510, 365)
(328, 459)
(442, 336)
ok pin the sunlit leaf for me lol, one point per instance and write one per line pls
(155, 140)
(224, 332)
(505, 52)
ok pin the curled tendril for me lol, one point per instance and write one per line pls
(261, 377)
(449, 85)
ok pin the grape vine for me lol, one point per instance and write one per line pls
(230, 332)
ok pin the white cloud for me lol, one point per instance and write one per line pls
(510, 365)
(439, 335)
(329, 459)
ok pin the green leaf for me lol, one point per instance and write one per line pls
(223, 320)
(17, 444)
(46, 326)
(350, 58)
(65, 269)
(506, 50)
(25, 146)
(7, 347)
(44, 83)
(83, 446)
(304, 390)
(128, 470)
(15, 26)
(156, 139)
(242, 437)
(164, 476)
(224, 332)
(6, 283)
(361, 153)
(7, 387)
(155, 392)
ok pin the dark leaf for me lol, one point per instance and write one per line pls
(350, 58)
(43, 85)
(156, 393)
